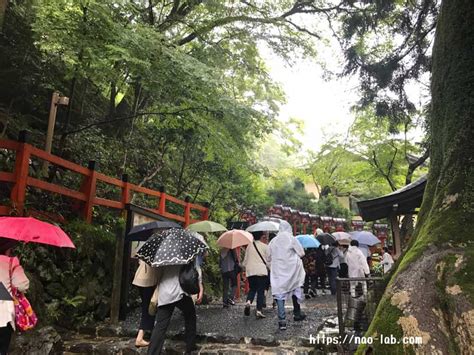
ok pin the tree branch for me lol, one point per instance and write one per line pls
(139, 114)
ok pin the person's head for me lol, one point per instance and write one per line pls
(264, 238)
(285, 228)
(6, 245)
(257, 235)
(385, 250)
(354, 243)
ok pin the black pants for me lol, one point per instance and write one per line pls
(229, 283)
(5, 338)
(332, 274)
(147, 321)
(163, 317)
(257, 286)
(321, 278)
(309, 283)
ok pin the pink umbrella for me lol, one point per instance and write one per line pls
(234, 238)
(31, 230)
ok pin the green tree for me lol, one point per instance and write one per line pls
(440, 258)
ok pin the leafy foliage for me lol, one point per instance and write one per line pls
(71, 287)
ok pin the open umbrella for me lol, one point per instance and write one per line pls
(144, 231)
(200, 237)
(234, 238)
(308, 241)
(264, 226)
(341, 235)
(206, 227)
(171, 247)
(325, 238)
(32, 230)
(365, 237)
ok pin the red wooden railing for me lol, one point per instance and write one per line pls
(86, 195)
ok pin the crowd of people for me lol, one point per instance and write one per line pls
(280, 264)
(275, 263)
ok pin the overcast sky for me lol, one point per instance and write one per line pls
(324, 106)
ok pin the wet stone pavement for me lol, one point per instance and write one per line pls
(220, 331)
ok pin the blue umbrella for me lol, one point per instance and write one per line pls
(308, 241)
(365, 237)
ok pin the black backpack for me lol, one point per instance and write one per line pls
(189, 278)
(329, 257)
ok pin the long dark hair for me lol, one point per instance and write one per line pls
(6, 244)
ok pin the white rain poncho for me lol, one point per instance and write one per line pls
(284, 253)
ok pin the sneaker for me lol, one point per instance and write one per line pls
(259, 315)
(282, 325)
(247, 310)
(300, 317)
(231, 302)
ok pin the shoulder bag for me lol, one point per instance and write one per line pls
(25, 317)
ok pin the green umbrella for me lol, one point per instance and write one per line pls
(207, 227)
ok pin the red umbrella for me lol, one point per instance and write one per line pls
(28, 229)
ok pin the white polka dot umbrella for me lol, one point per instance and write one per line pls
(171, 247)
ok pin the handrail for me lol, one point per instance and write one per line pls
(87, 193)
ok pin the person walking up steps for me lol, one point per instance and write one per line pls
(256, 269)
(287, 275)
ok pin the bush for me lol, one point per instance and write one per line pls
(71, 287)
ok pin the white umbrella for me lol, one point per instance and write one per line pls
(365, 237)
(342, 235)
(264, 226)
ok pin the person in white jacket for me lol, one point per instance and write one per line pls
(18, 280)
(287, 273)
(387, 260)
(357, 265)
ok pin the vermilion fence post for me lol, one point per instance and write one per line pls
(162, 203)
(205, 213)
(187, 211)
(89, 189)
(125, 190)
(22, 164)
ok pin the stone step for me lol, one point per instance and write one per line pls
(126, 346)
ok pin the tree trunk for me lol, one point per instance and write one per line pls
(431, 293)
(3, 9)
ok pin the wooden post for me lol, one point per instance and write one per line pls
(395, 234)
(89, 189)
(340, 318)
(187, 211)
(22, 164)
(162, 203)
(205, 213)
(117, 277)
(125, 190)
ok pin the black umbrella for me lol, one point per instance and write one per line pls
(144, 231)
(4, 294)
(171, 247)
(326, 238)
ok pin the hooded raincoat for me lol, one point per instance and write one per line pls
(284, 254)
